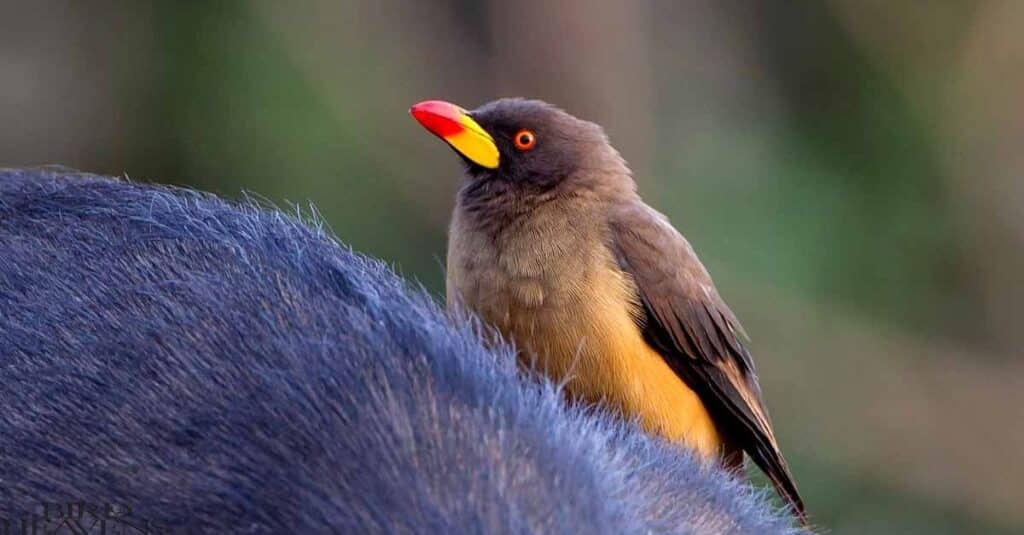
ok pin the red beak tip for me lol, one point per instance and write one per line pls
(439, 117)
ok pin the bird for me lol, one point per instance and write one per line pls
(551, 244)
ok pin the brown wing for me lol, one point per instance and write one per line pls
(693, 329)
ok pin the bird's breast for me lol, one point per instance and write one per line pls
(575, 320)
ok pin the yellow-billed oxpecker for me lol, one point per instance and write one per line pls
(551, 244)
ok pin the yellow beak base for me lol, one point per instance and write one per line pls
(454, 125)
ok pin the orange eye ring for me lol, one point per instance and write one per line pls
(524, 140)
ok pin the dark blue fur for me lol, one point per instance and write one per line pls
(221, 368)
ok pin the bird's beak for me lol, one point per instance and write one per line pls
(454, 125)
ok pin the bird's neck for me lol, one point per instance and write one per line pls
(499, 208)
(513, 220)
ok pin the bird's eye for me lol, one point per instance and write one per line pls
(524, 140)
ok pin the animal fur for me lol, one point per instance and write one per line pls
(219, 367)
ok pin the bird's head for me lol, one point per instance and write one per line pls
(528, 150)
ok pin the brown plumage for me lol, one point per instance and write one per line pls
(551, 244)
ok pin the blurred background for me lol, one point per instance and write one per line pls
(851, 171)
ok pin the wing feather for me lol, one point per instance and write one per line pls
(693, 329)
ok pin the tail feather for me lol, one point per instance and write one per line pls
(774, 465)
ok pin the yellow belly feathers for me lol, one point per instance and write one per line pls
(589, 340)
